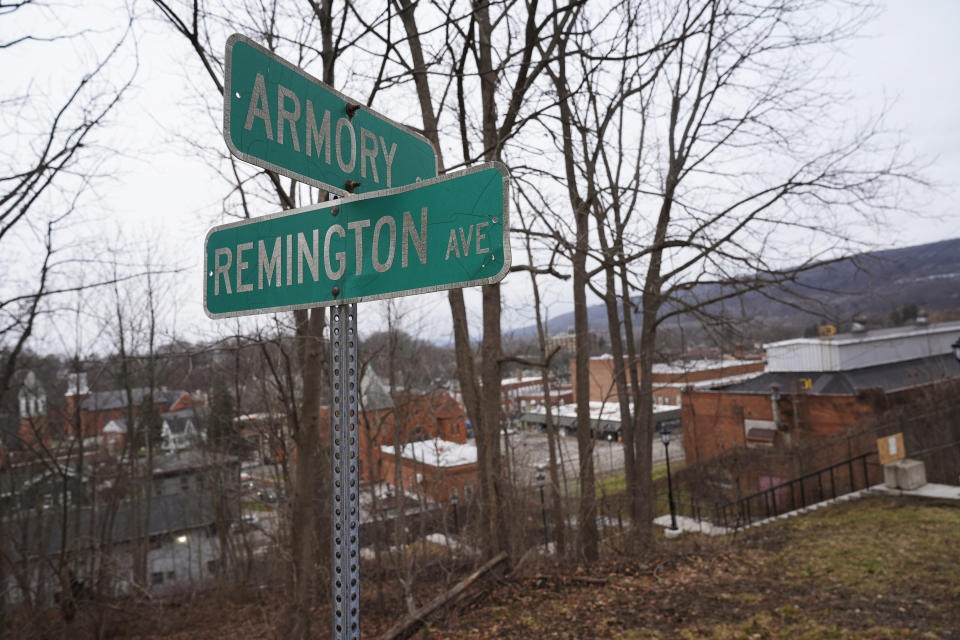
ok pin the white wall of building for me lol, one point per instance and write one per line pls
(843, 352)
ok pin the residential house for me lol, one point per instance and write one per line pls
(183, 429)
(106, 519)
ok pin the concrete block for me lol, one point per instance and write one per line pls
(890, 475)
(672, 533)
(911, 474)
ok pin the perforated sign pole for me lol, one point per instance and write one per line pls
(346, 447)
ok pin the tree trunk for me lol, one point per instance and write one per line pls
(643, 519)
(588, 537)
(491, 476)
(559, 524)
(630, 429)
(620, 380)
(307, 485)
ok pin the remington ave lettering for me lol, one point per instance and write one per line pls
(308, 256)
(446, 232)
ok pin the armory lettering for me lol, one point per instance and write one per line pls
(294, 120)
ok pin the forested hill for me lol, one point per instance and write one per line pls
(875, 283)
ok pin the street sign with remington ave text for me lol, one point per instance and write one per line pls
(443, 233)
(281, 118)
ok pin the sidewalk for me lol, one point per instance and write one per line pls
(686, 524)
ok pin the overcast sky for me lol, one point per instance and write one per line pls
(905, 62)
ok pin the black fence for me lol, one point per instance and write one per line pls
(816, 486)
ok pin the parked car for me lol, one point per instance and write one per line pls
(268, 494)
(247, 522)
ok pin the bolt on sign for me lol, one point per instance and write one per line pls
(443, 233)
(278, 117)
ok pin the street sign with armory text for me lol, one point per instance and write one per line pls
(281, 118)
(443, 233)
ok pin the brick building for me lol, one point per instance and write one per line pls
(435, 469)
(97, 409)
(669, 379)
(524, 390)
(567, 342)
(405, 417)
(814, 392)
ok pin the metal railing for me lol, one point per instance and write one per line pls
(810, 488)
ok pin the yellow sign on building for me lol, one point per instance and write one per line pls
(891, 448)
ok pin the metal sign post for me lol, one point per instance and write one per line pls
(346, 446)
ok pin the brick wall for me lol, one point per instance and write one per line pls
(415, 417)
(602, 387)
(818, 431)
(714, 421)
(434, 483)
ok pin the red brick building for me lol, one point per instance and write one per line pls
(96, 409)
(814, 392)
(669, 379)
(405, 417)
(435, 469)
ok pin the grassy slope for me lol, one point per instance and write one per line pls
(873, 569)
(878, 568)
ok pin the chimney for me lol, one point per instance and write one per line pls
(775, 405)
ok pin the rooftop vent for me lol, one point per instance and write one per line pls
(859, 324)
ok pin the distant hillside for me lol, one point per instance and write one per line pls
(879, 282)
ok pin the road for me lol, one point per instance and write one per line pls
(528, 449)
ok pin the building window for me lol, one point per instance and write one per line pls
(156, 578)
(759, 433)
(468, 491)
(185, 483)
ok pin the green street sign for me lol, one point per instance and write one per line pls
(281, 118)
(443, 233)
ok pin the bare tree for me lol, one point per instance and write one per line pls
(589, 114)
(555, 254)
(729, 81)
(480, 59)
(51, 163)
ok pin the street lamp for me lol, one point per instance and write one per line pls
(956, 349)
(665, 439)
(454, 500)
(542, 480)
